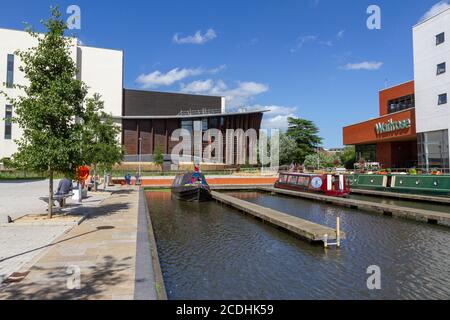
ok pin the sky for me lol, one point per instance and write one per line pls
(314, 59)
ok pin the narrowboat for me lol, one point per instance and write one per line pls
(191, 187)
(334, 185)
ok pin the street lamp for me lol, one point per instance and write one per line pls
(140, 157)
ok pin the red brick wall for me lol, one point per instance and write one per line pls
(393, 93)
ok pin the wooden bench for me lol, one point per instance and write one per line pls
(60, 198)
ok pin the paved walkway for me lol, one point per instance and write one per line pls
(102, 251)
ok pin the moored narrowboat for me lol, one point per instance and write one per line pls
(334, 185)
(191, 187)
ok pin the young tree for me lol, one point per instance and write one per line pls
(305, 134)
(100, 147)
(51, 101)
(158, 157)
(348, 157)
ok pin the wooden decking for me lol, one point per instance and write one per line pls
(303, 228)
(429, 216)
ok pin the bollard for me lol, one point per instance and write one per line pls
(325, 241)
(338, 232)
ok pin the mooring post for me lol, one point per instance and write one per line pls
(325, 241)
(338, 231)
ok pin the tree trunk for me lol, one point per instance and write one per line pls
(50, 196)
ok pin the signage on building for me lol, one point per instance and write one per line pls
(392, 126)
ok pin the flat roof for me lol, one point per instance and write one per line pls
(171, 92)
(432, 17)
(210, 115)
(380, 117)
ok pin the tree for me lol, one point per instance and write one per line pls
(158, 157)
(288, 149)
(100, 147)
(322, 160)
(51, 101)
(305, 134)
(348, 157)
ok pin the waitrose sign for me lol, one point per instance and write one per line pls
(392, 126)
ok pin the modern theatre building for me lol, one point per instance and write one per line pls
(147, 118)
(413, 127)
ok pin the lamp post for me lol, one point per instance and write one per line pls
(140, 157)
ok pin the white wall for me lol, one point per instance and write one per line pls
(428, 85)
(102, 71)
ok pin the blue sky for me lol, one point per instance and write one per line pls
(314, 59)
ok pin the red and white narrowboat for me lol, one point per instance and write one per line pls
(334, 185)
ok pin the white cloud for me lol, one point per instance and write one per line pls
(237, 96)
(301, 41)
(366, 65)
(277, 117)
(436, 9)
(197, 38)
(340, 34)
(157, 78)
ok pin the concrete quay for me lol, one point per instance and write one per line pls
(405, 196)
(304, 229)
(427, 216)
(107, 257)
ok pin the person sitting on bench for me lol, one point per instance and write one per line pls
(65, 187)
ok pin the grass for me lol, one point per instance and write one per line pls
(24, 175)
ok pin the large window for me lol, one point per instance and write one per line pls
(440, 38)
(441, 68)
(442, 99)
(8, 118)
(402, 103)
(367, 152)
(10, 71)
(433, 150)
(188, 125)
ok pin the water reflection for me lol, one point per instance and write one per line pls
(208, 251)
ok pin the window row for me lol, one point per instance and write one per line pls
(402, 103)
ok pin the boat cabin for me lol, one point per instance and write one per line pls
(335, 185)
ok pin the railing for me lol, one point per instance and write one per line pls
(199, 112)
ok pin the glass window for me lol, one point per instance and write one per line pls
(8, 127)
(283, 178)
(402, 103)
(433, 150)
(205, 125)
(442, 99)
(366, 152)
(214, 123)
(292, 179)
(441, 68)
(440, 38)
(10, 71)
(188, 125)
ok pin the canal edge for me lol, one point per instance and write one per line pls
(147, 259)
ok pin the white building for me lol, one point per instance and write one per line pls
(432, 87)
(100, 69)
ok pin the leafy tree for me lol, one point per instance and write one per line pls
(288, 149)
(51, 101)
(322, 160)
(158, 157)
(305, 134)
(100, 147)
(348, 157)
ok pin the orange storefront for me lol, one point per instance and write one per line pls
(390, 139)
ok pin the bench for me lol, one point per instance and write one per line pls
(60, 198)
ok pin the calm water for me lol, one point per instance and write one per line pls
(208, 251)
